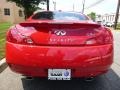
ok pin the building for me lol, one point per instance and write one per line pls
(9, 12)
(107, 18)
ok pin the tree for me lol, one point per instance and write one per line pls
(29, 6)
(92, 15)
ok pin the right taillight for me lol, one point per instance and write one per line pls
(108, 36)
(104, 37)
(91, 42)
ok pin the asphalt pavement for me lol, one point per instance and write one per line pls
(108, 81)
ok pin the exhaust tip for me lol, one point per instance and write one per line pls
(90, 79)
(27, 77)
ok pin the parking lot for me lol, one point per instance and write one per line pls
(108, 81)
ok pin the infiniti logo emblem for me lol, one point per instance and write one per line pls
(60, 32)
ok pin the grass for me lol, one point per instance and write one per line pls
(117, 30)
(3, 29)
(118, 27)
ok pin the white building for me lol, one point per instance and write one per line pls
(107, 18)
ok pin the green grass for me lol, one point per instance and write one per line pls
(118, 27)
(3, 29)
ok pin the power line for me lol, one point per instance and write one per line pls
(94, 4)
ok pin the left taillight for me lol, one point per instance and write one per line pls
(14, 36)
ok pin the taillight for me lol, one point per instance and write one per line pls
(108, 36)
(104, 37)
(15, 36)
(91, 42)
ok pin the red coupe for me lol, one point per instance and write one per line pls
(60, 46)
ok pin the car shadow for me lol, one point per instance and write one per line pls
(108, 81)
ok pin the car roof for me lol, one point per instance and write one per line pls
(58, 11)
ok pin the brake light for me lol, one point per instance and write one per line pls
(90, 42)
(104, 37)
(15, 36)
(108, 36)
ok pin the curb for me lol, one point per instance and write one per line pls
(3, 65)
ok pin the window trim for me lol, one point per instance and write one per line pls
(20, 12)
(7, 11)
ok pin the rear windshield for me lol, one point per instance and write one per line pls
(59, 16)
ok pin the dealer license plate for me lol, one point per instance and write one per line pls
(59, 74)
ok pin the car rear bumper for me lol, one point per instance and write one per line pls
(36, 60)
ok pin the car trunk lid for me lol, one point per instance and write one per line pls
(63, 33)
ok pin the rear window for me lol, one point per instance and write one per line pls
(59, 16)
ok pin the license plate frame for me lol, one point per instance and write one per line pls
(59, 74)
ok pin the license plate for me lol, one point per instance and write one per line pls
(59, 74)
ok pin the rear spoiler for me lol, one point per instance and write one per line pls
(61, 24)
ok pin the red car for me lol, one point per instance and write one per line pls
(60, 46)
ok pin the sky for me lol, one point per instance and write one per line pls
(105, 7)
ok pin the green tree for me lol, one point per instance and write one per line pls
(29, 6)
(92, 15)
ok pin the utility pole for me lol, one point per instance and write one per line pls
(54, 5)
(117, 15)
(83, 6)
(73, 7)
(48, 5)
